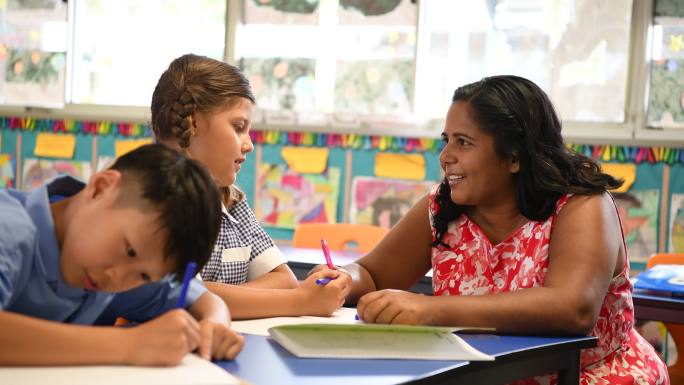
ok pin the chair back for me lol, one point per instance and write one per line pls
(665, 259)
(340, 236)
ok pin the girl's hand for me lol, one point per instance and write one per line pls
(396, 307)
(324, 299)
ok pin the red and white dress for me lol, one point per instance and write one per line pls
(471, 265)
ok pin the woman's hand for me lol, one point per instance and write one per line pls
(396, 307)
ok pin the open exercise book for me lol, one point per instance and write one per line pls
(340, 336)
(192, 370)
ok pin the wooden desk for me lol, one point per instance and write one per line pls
(264, 361)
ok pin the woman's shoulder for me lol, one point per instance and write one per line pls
(585, 205)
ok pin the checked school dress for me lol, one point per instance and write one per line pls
(471, 265)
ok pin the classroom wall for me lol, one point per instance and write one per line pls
(653, 206)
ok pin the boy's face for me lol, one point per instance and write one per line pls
(111, 244)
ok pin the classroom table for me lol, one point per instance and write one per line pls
(264, 361)
(654, 307)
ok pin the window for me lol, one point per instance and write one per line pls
(577, 51)
(33, 44)
(121, 47)
(666, 91)
(340, 56)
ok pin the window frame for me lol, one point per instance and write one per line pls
(632, 131)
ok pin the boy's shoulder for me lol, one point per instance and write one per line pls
(16, 225)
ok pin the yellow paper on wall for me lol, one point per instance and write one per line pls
(55, 145)
(123, 146)
(401, 166)
(621, 171)
(306, 160)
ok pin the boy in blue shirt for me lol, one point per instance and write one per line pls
(67, 248)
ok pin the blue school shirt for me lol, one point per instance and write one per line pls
(31, 282)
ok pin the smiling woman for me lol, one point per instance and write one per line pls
(521, 235)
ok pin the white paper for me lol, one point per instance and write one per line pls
(192, 370)
(260, 326)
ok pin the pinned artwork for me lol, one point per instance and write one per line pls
(38, 171)
(286, 198)
(382, 202)
(677, 223)
(639, 214)
(7, 171)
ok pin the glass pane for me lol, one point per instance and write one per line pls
(577, 50)
(666, 93)
(122, 47)
(351, 56)
(33, 43)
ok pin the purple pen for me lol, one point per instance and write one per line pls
(322, 281)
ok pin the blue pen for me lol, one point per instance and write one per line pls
(189, 273)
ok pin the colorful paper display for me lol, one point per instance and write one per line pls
(382, 202)
(38, 171)
(400, 166)
(286, 198)
(55, 145)
(306, 160)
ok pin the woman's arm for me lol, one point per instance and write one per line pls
(584, 253)
(400, 259)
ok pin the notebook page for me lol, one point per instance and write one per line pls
(193, 370)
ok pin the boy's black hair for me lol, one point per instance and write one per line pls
(188, 201)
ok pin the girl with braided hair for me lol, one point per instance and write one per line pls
(203, 107)
(521, 234)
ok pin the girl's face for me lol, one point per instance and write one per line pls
(221, 140)
(477, 175)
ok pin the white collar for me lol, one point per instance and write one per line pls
(225, 211)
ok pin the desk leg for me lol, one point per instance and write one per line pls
(570, 375)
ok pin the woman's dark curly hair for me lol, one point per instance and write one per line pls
(525, 125)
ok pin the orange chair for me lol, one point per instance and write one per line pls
(676, 330)
(340, 236)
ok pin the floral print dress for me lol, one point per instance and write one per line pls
(471, 265)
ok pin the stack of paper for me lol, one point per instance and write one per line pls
(192, 370)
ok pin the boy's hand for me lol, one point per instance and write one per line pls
(324, 299)
(164, 341)
(218, 341)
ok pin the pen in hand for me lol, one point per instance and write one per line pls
(328, 261)
(189, 273)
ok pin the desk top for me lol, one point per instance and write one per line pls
(263, 361)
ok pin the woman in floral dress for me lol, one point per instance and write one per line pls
(521, 234)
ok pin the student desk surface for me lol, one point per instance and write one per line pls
(264, 361)
(654, 307)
